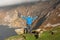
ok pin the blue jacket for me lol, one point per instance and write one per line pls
(29, 20)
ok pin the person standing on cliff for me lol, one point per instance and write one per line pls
(29, 20)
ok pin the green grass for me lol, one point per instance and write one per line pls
(24, 36)
(47, 35)
(15, 37)
(29, 37)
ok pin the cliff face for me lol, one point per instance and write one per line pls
(53, 19)
(11, 17)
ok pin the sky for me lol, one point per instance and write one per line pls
(12, 2)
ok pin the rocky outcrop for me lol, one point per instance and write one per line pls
(52, 20)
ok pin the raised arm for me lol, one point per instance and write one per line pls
(23, 17)
(34, 18)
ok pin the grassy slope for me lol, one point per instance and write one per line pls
(47, 35)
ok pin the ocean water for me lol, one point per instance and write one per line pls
(6, 32)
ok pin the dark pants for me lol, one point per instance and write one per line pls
(29, 28)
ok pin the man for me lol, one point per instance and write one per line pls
(29, 20)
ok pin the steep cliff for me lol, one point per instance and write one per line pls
(47, 15)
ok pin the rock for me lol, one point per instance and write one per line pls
(19, 31)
